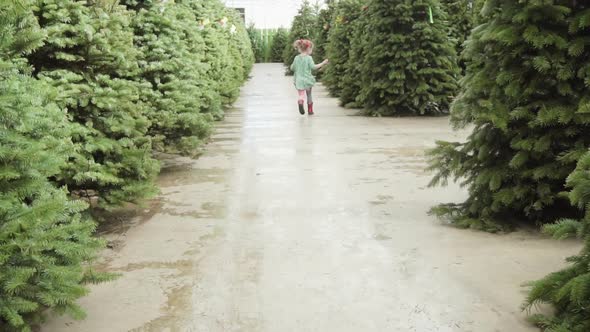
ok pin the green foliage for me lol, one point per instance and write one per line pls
(302, 28)
(85, 88)
(44, 241)
(279, 43)
(411, 67)
(266, 46)
(351, 84)
(343, 26)
(181, 103)
(461, 15)
(172, 37)
(477, 6)
(322, 31)
(568, 290)
(258, 43)
(89, 56)
(228, 55)
(525, 93)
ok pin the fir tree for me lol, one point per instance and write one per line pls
(411, 68)
(228, 54)
(343, 26)
(476, 11)
(279, 43)
(461, 15)
(194, 56)
(526, 95)
(568, 290)
(322, 31)
(89, 56)
(44, 241)
(241, 43)
(350, 83)
(182, 100)
(257, 43)
(302, 28)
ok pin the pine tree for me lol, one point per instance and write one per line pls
(243, 54)
(194, 56)
(350, 83)
(44, 241)
(89, 56)
(302, 28)
(279, 43)
(477, 8)
(171, 50)
(411, 68)
(568, 290)
(322, 31)
(461, 14)
(526, 95)
(257, 43)
(343, 26)
(228, 54)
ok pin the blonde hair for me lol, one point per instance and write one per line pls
(303, 45)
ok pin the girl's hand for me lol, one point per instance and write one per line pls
(326, 62)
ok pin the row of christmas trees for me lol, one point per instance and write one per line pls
(526, 96)
(368, 41)
(268, 44)
(521, 82)
(88, 90)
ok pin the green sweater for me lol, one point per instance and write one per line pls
(302, 68)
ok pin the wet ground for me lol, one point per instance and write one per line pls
(296, 223)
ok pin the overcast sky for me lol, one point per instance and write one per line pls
(268, 13)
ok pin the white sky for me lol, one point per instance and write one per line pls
(268, 13)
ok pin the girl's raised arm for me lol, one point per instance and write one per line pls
(320, 65)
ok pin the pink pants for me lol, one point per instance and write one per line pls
(302, 94)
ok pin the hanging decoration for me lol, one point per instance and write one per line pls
(233, 29)
(430, 14)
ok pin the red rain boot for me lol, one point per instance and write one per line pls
(310, 108)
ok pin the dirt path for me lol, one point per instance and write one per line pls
(290, 223)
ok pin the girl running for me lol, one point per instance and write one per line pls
(302, 68)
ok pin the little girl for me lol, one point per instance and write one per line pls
(302, 68)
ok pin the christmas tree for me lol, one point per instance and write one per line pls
(322, 31)
(45, 244)
(343, 26)
(526, 95)
(228, 52)
(477, 8)
(194, 56)
(350, 83)
(461, 15)
(302, 28)
(411, 67)
(171, 55)
(89, 56)
(241, 44)
(257, 43)
(279, 43)
(568, 290)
